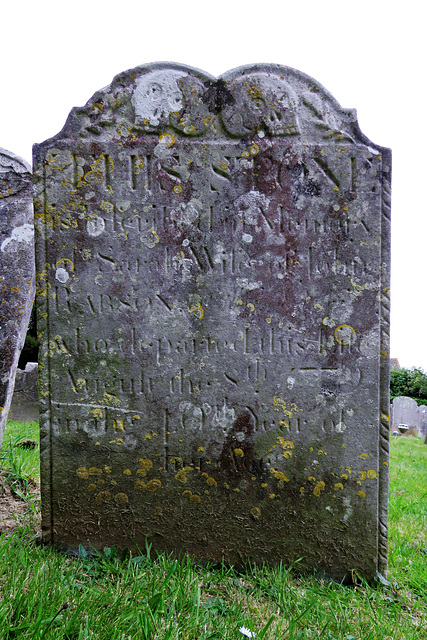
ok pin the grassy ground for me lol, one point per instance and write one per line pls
(44, 595)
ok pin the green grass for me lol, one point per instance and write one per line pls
(44, 595)
(21, 461)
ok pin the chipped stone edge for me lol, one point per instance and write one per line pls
(384, 382)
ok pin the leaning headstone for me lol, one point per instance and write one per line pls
(405, 411)
(25, 401)
(422, 412)
(213, 260)
(17, 278)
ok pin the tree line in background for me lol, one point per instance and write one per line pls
(409, 382)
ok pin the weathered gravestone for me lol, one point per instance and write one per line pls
(213, 259)
(422, 412)
(25, 405)
(16, 270)
(405, 410)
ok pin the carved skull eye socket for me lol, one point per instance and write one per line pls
(154, 91)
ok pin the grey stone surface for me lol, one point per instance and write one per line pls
(213, 260)
(405, 410)
(25, 401)
(422, 413)
(17, 277)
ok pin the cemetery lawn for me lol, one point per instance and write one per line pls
(45, 595)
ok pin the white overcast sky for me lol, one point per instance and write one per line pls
(371, 55)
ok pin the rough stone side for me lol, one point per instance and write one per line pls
(17, 270)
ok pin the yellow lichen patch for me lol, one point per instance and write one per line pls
(238, 453)
(271, 496)
(177, 188)
(167, 139)
(107, 469)
(264, 485)
(197, 310)
(140, 485)
(83, 473)
(385, 417)
(385, 463)
(194, 498)
(226, 485)
(187, 493)
(320, 486)
(211, 482)
(237, 490)
(103, 496)
(145, 466)
(181, 476)
(107, 206)
(361, 494)
(302, 490)
(245, 154)
(312, 478)
(338, 486)
(254, 149)
(239, 302)
(278, 475)
(112, 400)
(118, 425)
(121, 498)
(91, 486)
(371, 474)
(95, 471)
(118, 441)
(255, 512)
(150, 238)
(127, 472)
(153, 484)
(345, 334)
(147, 436)
(205, 475)
(363, 456)
(201, 449)
(285, 444)
(362, 475)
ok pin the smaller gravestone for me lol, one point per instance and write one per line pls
(404, 410)
(17, 271)
(25, 401)
(422, 412)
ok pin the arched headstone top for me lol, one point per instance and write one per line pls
(250, 101)
(213, 259)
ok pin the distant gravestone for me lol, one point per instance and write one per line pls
(405, 410)
(422, 413)
(25, 401)
(17, 281)
(213, 263)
